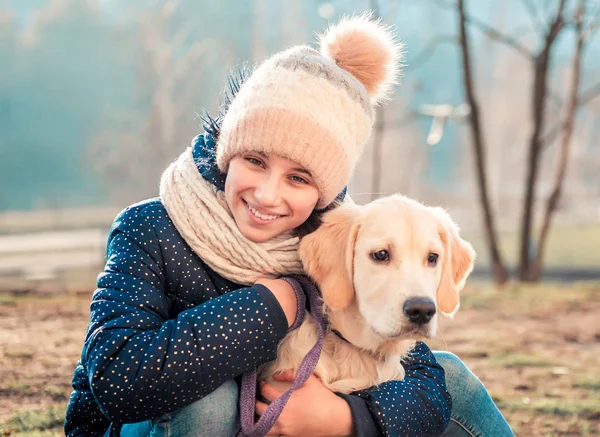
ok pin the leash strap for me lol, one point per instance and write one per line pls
(301, 285)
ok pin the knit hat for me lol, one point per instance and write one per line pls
(315, 108)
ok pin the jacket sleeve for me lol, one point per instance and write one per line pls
(141, 362)
(419, 405)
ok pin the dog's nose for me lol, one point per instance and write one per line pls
(419, 310)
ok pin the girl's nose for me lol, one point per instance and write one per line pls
(267, 193)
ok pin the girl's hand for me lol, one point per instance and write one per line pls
(285, 295)
(312, 410)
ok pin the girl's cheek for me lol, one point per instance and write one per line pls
(308, 204)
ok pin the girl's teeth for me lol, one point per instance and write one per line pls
(262, 216)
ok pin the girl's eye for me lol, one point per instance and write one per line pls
(254, 161)
(432, 259)
(299, 179)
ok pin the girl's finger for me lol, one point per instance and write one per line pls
(269, 392)
(286, 375)
(261, 407)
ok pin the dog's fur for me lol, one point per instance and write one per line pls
(363, 298)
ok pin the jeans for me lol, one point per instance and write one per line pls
(474, 414)
(214, 415)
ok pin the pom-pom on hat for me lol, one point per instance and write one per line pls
(316, 108)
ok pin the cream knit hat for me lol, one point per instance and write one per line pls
(315, 108)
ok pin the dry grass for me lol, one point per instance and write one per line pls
(566, 247)
(536, 349)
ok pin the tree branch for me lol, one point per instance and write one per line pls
(594, 21)
(500, 37)
(533, 14)
(497, 263)
(557, 24)
(539, 102)
(489, 31)
(561, 171)
(583, 100)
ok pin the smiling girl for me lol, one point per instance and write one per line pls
(268, 195)
(190, 298)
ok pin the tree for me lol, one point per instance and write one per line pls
(582, 36)
(498, 267)
(541, 65)
(562, 19)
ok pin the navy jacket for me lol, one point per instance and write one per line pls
(165, 330)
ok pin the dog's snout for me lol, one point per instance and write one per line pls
(419, 310)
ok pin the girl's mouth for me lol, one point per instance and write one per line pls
(262, 218)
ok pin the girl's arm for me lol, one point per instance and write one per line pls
(419, 405)
(141, 362)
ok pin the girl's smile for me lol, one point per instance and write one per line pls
(261, 215)
(268, 195)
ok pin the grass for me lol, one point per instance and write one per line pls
(514, 339)
(520, 298)
(19, 354)
(591, 383)
(566, 247)
(518, 359)
(19, 388)
(583, 408)
(35, 423)
(7, 299)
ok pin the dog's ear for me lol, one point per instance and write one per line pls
(328, 255)
(457, 263)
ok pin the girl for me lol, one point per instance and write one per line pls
(189, 299)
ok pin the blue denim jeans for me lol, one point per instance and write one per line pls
(474, 414)
(214, 415)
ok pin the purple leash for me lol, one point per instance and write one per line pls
(301, 285)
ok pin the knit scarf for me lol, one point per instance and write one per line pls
(200, 213)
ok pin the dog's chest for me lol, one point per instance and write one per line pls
(341, 367)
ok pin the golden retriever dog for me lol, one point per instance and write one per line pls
(385, 270)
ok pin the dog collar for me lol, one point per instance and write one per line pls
(340, 336)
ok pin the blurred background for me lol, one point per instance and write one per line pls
(497, 118)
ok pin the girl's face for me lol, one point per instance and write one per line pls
(268, 195)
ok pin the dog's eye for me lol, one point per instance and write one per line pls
(432, 259)
(381, 255)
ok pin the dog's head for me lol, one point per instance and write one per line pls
(395, 261)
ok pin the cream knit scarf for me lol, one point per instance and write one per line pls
(201, 215)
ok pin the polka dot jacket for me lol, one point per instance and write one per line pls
(165, 330)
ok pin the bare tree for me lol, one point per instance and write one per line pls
(498, 267)
(530, 254)
(567, 134)
(542, 62)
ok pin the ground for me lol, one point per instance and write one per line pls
(536, 348)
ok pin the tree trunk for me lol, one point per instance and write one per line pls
(552, 202)
(498, 268)
(542, 61)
